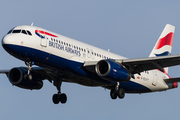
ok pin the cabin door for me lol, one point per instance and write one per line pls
(155, 78)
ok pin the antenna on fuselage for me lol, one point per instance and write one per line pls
(32, 24)
(108, 50)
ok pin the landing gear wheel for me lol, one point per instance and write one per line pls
(121, 93)
(28, 76)
(113, 94)
(62, 98)
(59, 98)
(55, 98)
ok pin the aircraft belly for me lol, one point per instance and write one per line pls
(72, 64)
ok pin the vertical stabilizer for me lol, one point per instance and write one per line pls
(163, 46)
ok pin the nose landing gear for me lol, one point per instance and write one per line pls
(28, 75)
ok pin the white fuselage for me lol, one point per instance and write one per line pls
(68, 49)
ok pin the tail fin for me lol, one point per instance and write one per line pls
(163, 46)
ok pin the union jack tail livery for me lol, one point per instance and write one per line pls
(163, 46)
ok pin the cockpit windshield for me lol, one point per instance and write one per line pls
(27, 32)
(10, 31)
(16, 31)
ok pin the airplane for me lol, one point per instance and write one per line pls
(56, 58)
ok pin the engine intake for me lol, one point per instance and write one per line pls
(18, 77)
(111, 70)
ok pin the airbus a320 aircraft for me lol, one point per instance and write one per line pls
(62, 59)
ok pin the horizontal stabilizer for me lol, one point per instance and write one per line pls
(170, 80)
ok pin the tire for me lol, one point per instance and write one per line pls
(55, 98)
(121, 93)
(28, 77)
(63, 98)
(113, 94)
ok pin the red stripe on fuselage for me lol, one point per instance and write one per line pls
(46, 33)
(167, 40)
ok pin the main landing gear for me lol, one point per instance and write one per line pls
(59, 97)
(117, 92)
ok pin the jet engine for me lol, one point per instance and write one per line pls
(18, 77)
(112, 71)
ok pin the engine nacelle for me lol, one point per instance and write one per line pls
(18, 77)
(112, 71)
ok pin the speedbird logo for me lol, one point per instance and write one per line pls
(41, 34)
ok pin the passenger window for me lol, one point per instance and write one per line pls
(29, 32)
(16, 31)
(24, 32)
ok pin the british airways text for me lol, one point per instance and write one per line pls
(64, 48)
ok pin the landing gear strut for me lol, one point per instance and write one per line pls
(59, 97)
(117, 92)
(28, 75)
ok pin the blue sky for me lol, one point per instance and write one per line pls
(128, 28)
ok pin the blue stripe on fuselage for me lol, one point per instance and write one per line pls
(24, 53)
(133, 87)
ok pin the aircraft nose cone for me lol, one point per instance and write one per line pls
(6, 40)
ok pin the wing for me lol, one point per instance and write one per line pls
(141, 64)
(4, 71)
(150, 63)
(53, 75)
(42, 73)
